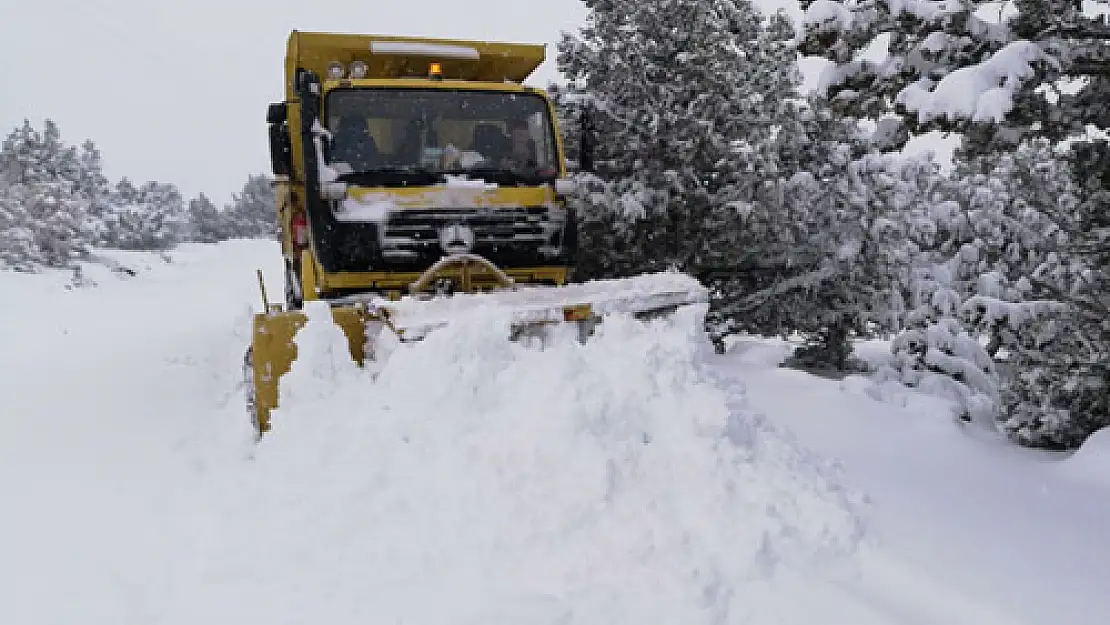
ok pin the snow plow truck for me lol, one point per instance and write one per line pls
(416, 178)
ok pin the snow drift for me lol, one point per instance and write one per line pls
(1092, 460)
(469, 479)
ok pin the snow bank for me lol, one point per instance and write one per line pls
(474, 480)
(970, 529)
(1092, 460)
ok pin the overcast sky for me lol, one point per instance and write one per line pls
(176, 90)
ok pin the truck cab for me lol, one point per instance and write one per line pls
(391, 153)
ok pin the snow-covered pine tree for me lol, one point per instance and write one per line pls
(17, 242)
(47, 227)
(253, 211)
(45, 219)
(988, 232)
(706, 155)
(937, 355)
(1043, 305)
(29, 157)
(1009, 206)
(123, 215)
(151, 217)
(91, 181)
(797, 281)
(934, 352)
(998, 78)
(93, 186)
(957, 66)
(1061, 392)
(207, 224)
(879, 224)
(685, 98)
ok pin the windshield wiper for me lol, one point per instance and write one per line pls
(500, 175)
(393, 176)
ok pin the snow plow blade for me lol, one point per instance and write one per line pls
(532, 310)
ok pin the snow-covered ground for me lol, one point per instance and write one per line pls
(637, 478)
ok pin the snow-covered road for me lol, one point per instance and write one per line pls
(102, 389)
(637, 478)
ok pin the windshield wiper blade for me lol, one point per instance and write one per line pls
(499, 174)
(405, 174)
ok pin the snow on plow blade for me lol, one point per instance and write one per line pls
(536, 306)
(532, 310)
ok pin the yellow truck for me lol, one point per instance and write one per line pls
(389, 150)
(408, 169)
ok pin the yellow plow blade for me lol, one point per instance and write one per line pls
(532, 309)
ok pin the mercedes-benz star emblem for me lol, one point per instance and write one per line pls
(456, 239)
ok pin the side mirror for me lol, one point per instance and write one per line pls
(281, 153)
(275, 113)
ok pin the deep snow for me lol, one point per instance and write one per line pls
(637, 478)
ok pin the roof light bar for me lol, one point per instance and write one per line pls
(358, 69)
(424, 49)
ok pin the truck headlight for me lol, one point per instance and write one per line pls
(335, 70)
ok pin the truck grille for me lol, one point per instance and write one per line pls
(414, 230)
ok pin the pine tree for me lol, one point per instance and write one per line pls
(683, 97)
(49, 226)
(151, 217)
(936, 354)
(207, 224)
(253, 211)
(878, 225)
(1061, 393)
(949, 68)
(17, 243)
(91, 181)
(1000, 85)
(94, 187)
(30, 157)
(706, 157)
(44, 220)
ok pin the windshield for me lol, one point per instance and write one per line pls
(415, 136)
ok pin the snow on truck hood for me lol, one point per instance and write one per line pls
(458, 192)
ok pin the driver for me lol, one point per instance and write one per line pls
(353, 143)
(522, 149)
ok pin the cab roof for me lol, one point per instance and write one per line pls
(392, 56)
